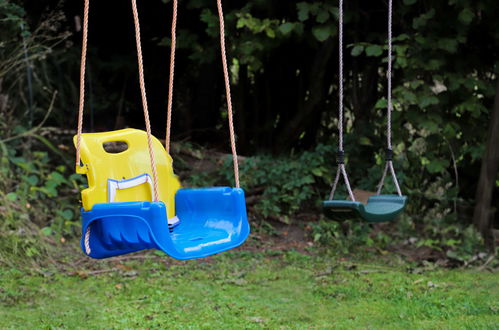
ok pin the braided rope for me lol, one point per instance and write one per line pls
(340, 74)
(81, 107)
(83, 65)
(389, 78)
(335, 183)
(383, 177)
(87, 241)
(172, 70)
(143, 94)
(395, 181)
(341, 166)
(144, 98)
(389, 162)
(227, 91)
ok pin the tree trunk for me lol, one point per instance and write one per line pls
(482, 216)
(294, 127)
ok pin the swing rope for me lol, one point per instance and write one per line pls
(172, 71)
(155, 196)
(82, 104)
(230, 114)
(144, 95)
(144, 98)
(83, 65)
(340, 160)
(389, 150)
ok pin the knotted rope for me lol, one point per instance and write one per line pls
(340, 160)
(389, 150)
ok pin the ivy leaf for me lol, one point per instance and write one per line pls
(437, 165)
(466, 16)
(270, 33)
(430, 126)
(426, 101)
(317, 172)
(323, 32)
(67, 214)
(32, 180)
(322, 16)
(303, 11)
(401, 61)
(357, 50)
(11, 197)
(421, 21)
(365, 141)
(286, 28)
(46, 231)
(381, 104)
(374, 50)
(448, 44)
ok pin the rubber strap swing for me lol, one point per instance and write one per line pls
(132, 204)
(379, 208)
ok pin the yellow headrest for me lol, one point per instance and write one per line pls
(100, 166)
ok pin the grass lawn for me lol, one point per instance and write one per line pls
(244, 289)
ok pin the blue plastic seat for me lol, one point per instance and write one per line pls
(203, 230)
(379, 208)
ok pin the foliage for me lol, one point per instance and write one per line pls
(38, 198)
(284, 73)
(444, 79)
(285, 188)
(290, 184)
(249, 290)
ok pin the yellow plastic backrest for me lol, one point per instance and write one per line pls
(99, 166)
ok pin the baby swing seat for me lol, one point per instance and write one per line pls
(119, 219)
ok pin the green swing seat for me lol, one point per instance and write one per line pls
(379, 208)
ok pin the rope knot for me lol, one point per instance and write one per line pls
(340, 157)
(388, 155)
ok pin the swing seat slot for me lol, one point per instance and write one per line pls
(120, 228)
(379, 208)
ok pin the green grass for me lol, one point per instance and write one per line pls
(249, 290)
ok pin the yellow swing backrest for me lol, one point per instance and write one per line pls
(101, 166)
